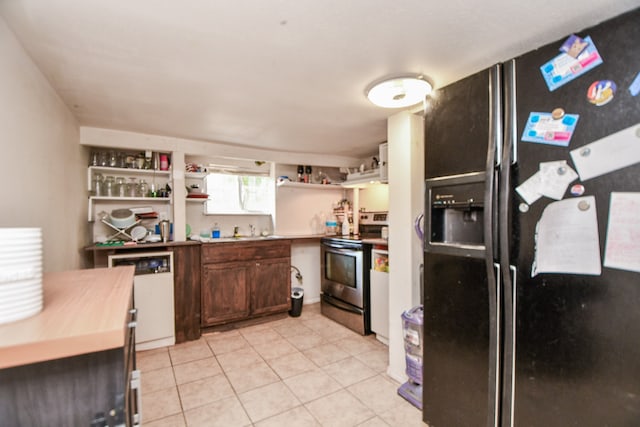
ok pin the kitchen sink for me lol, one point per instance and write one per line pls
(245, 238)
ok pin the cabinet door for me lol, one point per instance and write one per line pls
(186, 279)
(224, 292)
(271, 286)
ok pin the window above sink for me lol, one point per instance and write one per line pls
(231, 186)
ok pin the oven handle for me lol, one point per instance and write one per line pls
(342, 246)
(341, 305)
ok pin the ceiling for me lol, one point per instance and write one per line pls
(284, 75)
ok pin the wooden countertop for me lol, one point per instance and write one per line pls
(84, 311)
(156, 245)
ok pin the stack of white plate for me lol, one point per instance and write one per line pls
(20, 273)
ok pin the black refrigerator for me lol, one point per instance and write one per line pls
(532, 238)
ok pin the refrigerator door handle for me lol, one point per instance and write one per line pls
(510, 131)
(509, 354)
(495, 115)
(509, 157)
(490, 241)
(494, 351)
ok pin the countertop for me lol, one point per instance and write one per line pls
(84, 311)
(139, 246)
(376, 241)
(297, 238)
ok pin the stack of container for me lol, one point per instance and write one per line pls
(412, 321)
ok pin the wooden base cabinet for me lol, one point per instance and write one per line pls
(243, 280)
(271, 286)
(225, 292)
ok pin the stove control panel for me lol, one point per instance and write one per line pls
(374, 218)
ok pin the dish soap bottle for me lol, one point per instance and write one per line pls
(215, 233)
(345, 226)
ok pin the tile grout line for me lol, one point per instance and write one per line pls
(325, 340)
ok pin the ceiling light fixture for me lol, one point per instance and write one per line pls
(398, 91)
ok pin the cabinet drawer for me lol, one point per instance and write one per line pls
(241, 251)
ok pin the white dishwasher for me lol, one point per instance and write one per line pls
(153, 297)
(379, 283)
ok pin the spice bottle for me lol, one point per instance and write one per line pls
(307, 174)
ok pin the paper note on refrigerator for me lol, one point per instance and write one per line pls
(556, 177)
(551, 180)
(567, 238)
(530, 189)
(622, 249)
(564, 68)
(613, 152)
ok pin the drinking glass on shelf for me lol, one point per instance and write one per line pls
(97, 185)
(121, 187)
(109, 186)
(132, 188)
(113, 159)
(103, 160)
(122, 159)
(139, 161)
(143, 188)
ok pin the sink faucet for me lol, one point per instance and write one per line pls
(236, 231)
(253, 230)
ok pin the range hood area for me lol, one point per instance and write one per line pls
(376, 175)
(358, 179)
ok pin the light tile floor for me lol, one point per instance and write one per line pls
(304, 371)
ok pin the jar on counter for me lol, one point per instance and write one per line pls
(331, 227)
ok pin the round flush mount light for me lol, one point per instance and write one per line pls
(398, 91)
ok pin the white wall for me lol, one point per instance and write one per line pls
(301, 210)
(406, 201)
(42, 166)
(306, 256)
(375, 198)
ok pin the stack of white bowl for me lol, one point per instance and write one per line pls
(20, 273)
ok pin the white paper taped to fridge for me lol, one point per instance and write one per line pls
(556, 177)
(551, 180)
(567, 238)
(613, 152)
(622, 249)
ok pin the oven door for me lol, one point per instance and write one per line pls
(342, 275)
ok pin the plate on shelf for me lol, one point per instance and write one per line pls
(138, 233)
(197, 196)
